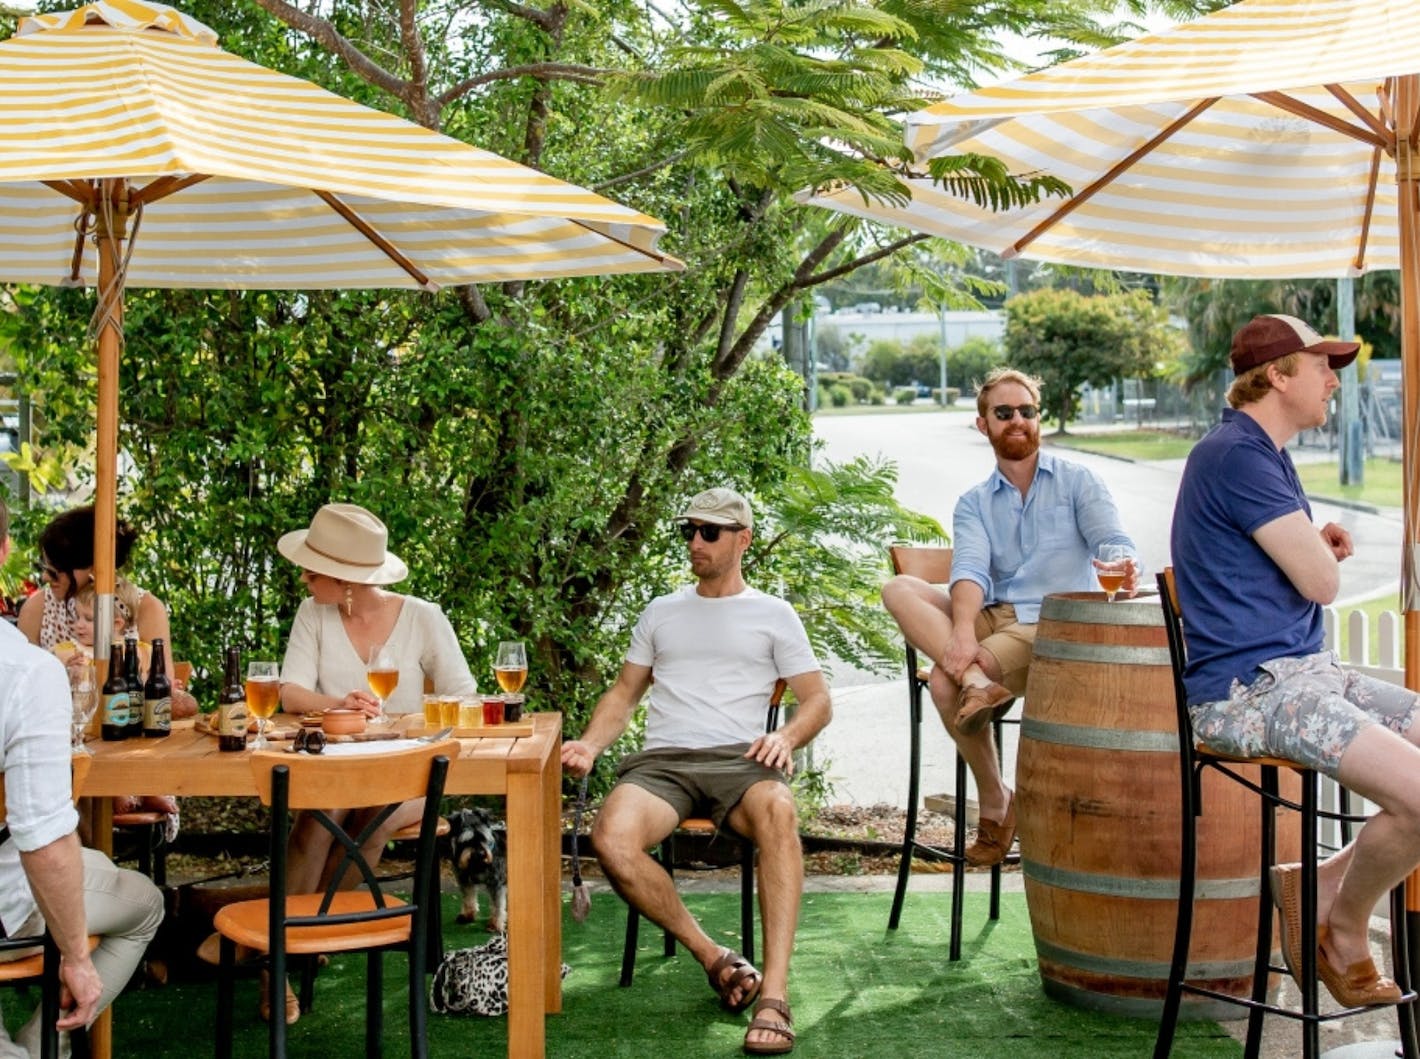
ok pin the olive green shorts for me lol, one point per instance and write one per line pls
(708, 782)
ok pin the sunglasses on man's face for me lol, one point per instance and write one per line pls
(1006, 412)
(709, 534)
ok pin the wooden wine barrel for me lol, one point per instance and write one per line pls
(1098, 813)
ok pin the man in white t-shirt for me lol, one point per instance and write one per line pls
(716, 648)
(45, 877)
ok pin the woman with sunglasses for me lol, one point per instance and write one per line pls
(66, 549)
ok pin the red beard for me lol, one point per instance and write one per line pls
(1013, 446)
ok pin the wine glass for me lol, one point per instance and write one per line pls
(263, 696)
(382, 674)
(1110, 568)
(85, 699)
(511, 666)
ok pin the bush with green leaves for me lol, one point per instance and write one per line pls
(905, 394)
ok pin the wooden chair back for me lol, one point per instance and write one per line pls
(931, 563)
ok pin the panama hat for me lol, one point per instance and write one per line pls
(347, 542)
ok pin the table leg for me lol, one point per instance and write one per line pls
(552, 880)
(526, 925)
(99, 813)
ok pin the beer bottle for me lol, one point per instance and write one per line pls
(157, 697)
(134, 680)
(232, 706)
(113, 698)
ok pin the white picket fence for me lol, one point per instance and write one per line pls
(1389, 666)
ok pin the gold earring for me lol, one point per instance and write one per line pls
(349, 601)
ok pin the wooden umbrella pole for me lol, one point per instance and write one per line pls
(110, 225)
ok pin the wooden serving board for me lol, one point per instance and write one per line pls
(277, 735)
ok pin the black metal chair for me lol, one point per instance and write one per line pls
(42, 967)
(368, 920)
(1194, 758)
(934, 565)
(704, 828)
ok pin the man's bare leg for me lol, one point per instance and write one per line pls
(766, 814)
(979, 750)
(923, 613)
(631, 821)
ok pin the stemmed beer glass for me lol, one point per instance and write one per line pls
(85, 699)
(263, 696)
(1110, 568)
(511, 666)
(382, 674)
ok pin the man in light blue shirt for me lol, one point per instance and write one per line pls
(1033, 527)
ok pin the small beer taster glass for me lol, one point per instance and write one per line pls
(1111, 568)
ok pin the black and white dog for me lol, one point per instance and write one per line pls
(478, 852)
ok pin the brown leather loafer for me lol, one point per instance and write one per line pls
(975, 706)
(1286, 880)
(1360, 985)
(993, 840)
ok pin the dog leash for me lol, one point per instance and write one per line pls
(581, 896)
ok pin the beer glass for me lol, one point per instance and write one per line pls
(1110, 568)
(263, 690)
(511, 666)
(382, 674)
(85, 699)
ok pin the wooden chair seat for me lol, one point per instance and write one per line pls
(28, 967)
(246, 923)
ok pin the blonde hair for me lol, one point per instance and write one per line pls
(999, 375)
(1253, 385)
(125, 602)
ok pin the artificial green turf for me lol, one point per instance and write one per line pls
(857, 992)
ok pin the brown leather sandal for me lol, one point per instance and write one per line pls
(785, 1029)
(743, 977)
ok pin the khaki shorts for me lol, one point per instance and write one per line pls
(1010, 642)
(708, 782)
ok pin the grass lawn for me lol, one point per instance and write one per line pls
(892, 408)
(1381, 482)
(855, 993)
(1127, 444)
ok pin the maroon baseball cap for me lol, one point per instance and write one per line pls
(1265, 338)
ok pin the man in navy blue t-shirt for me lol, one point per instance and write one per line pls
(1253, 573)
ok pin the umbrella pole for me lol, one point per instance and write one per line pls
(110, 226)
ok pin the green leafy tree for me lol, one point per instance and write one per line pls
(528, 442)
(1068, 340)
(972, 361)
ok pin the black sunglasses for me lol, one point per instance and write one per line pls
(1005, 412)
(46, 572)
(709, 533)
(311, 740)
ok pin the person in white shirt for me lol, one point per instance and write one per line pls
(715, 650)
(46, 878)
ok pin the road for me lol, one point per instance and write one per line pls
(938, 456)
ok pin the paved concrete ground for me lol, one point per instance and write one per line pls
(865, 749)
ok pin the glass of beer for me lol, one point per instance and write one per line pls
(511, 666)
(382, 674)
(431, 710)
(263, 696)
(1111, 567)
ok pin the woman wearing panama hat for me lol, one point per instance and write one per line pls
(346, 566)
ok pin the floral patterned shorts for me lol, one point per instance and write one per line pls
(1306, 710)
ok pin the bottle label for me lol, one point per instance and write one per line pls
(158, 714)
(115, 707)
(232, 719)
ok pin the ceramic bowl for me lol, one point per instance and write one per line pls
(342, 722)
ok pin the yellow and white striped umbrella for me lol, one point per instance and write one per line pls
(1250, 143)
(135, 152)
(250, 178)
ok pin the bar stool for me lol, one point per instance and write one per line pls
(934, 565)
(147, 828)
(1194, 759)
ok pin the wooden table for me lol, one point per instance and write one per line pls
(526, 771)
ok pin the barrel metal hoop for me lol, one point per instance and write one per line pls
(1098, 612)
(1144, 889)
(1147, 969)
(1149, 740)
(1103, 653)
